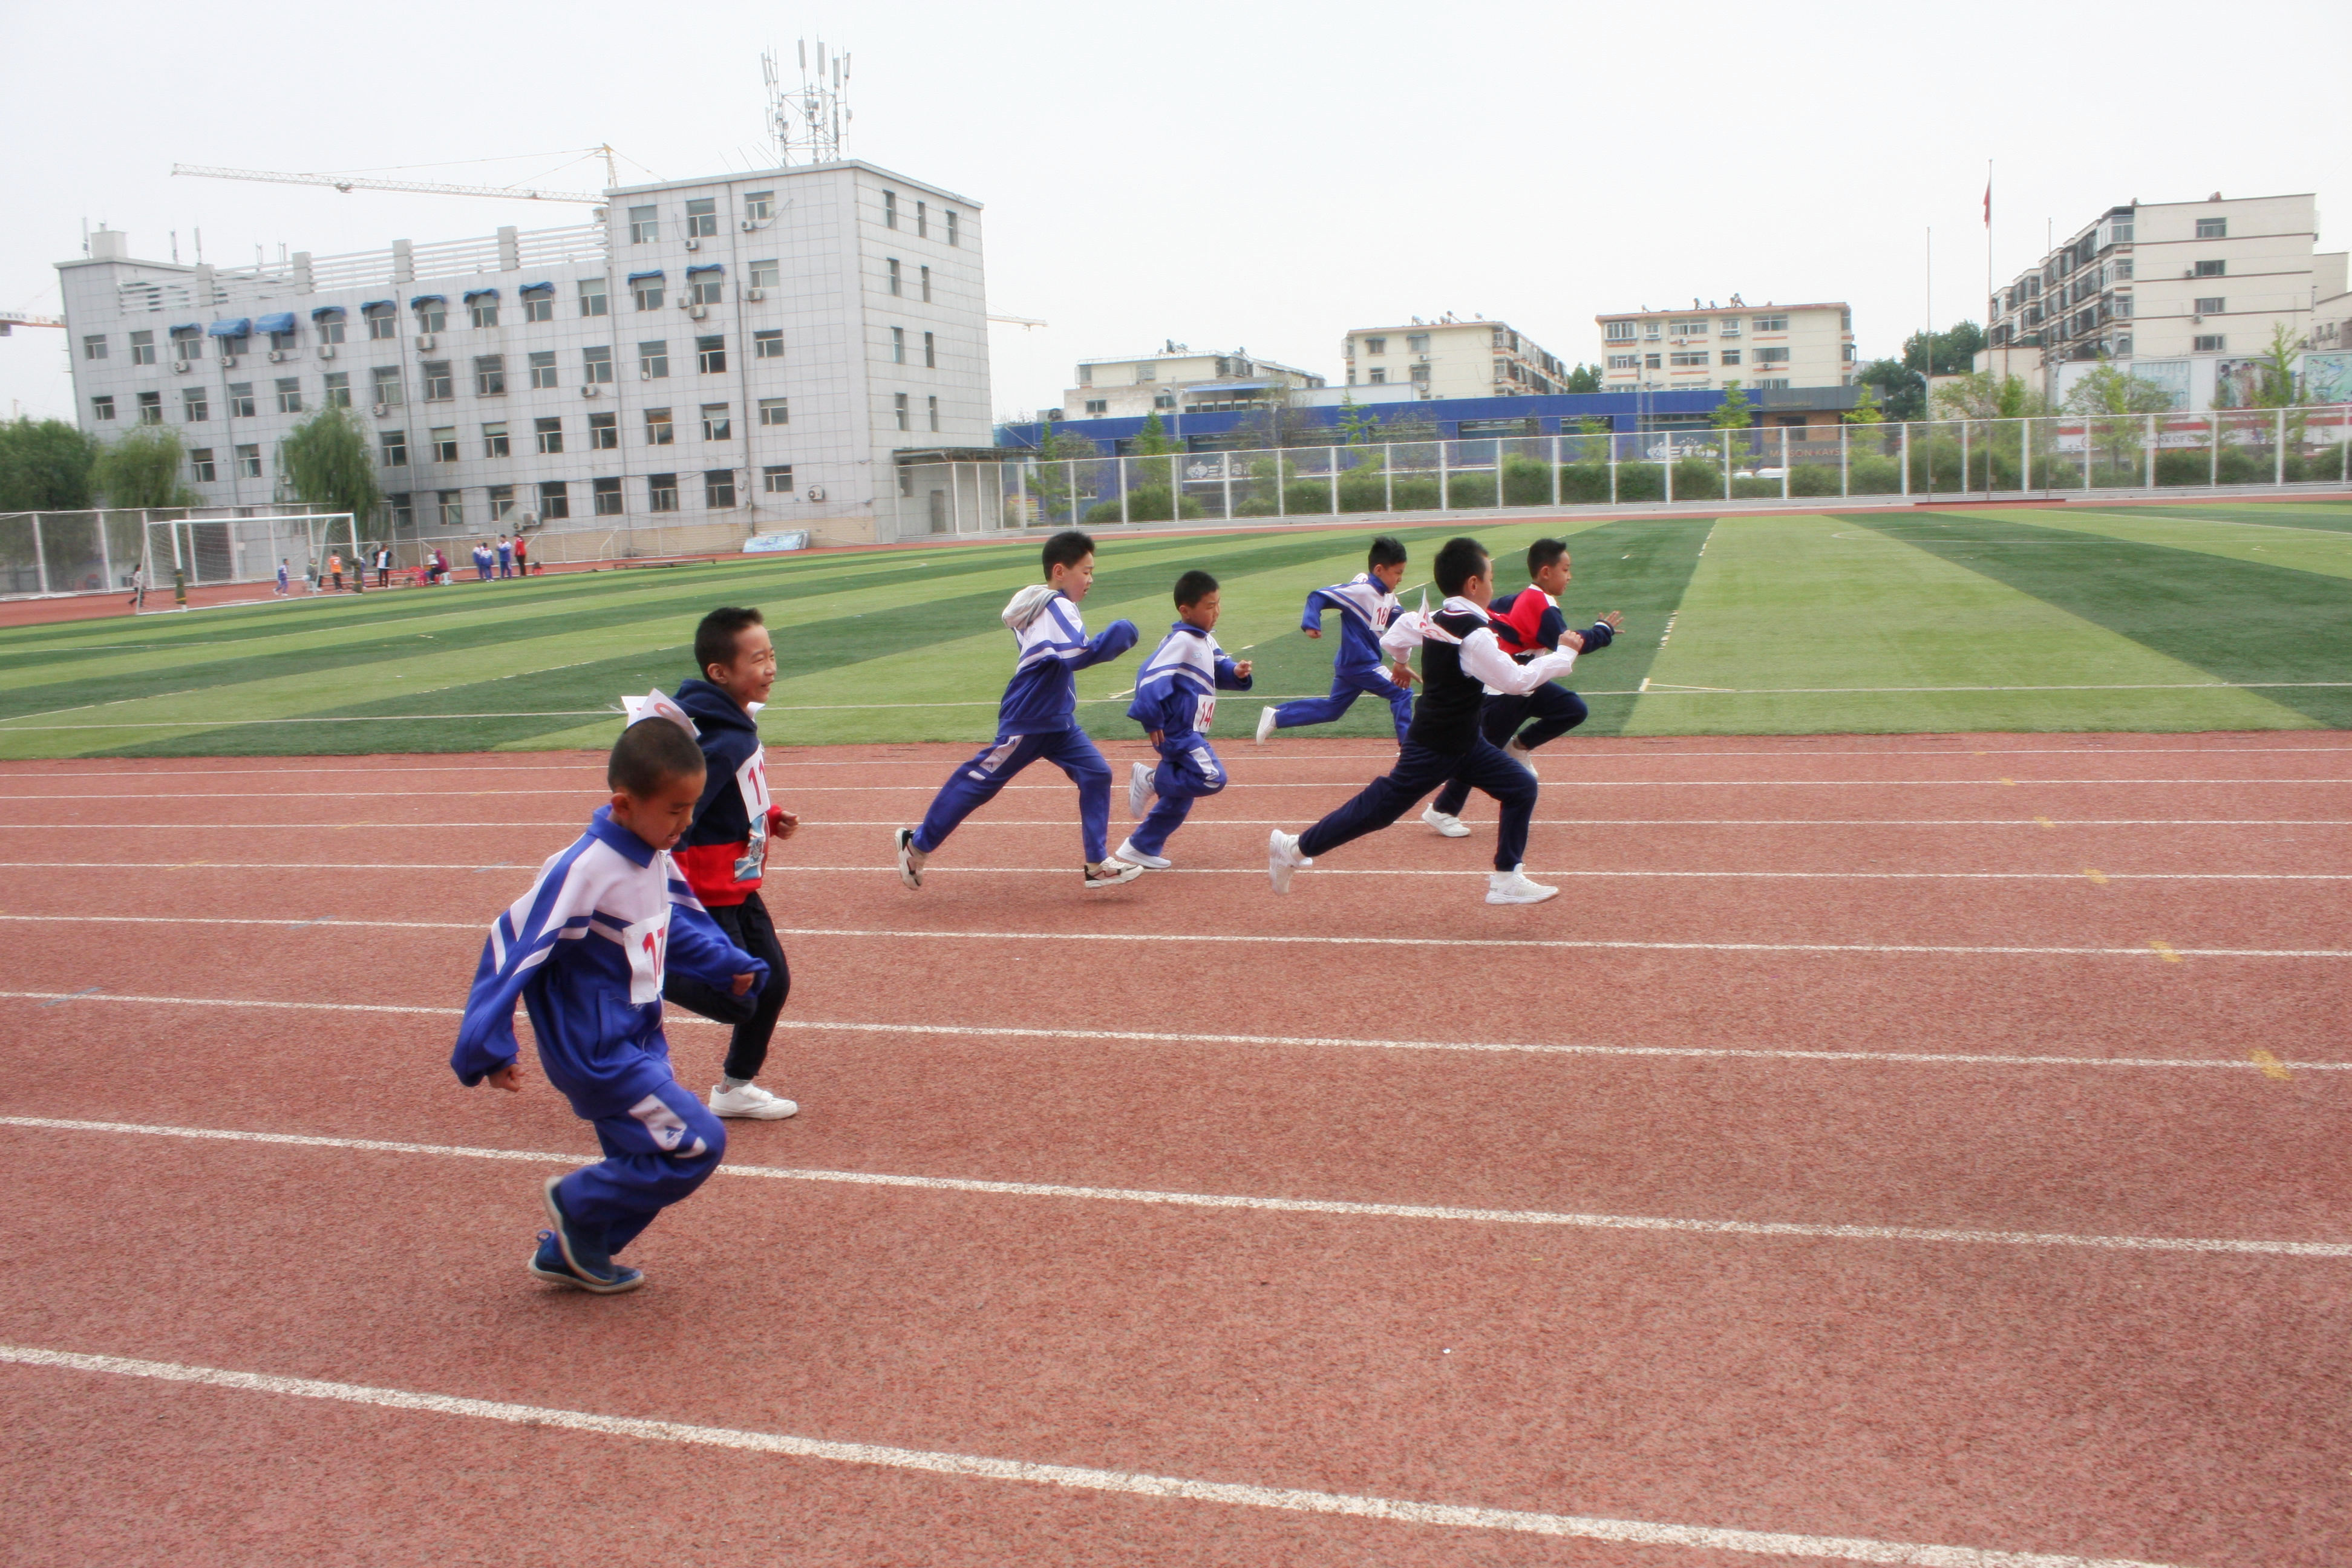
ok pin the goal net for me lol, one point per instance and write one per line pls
(207, 552)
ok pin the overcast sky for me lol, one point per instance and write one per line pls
(1263, 176)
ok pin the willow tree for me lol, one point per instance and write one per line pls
(143, 469)
(327, 460)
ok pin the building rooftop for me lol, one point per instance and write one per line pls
(1736, 303)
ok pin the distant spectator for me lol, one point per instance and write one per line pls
(506, 557)
(282, 577)
(138, 600)
(383, 565)
(335, 570)
(522, 557)
(484, 559)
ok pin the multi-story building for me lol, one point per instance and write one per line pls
(743, 353)
(1766, 347)
(1178, 380)
(2183, 294)
(1450, 358)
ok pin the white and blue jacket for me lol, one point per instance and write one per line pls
(1365, 605)
(1176, 691)
(586, 950)
(1043, 695)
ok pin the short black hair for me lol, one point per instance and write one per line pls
(1388, 550)
(714, 638)
(1192, 587)
(1458, 561)
(649, 755)
(1067, 548)
(1543, 552)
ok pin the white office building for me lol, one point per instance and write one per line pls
(1180, 380)
(716, 357)
(1451, 358)
(1768, 347)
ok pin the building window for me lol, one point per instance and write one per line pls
(442, 440)
(2124, 346)
(502, 504)
(195, 406)
(103, 407)
(717, 426)
(659, 431)
(758, 205)
(1420, 374)
(1730, 326)
(935, 411)
(339, 389)
(248, 461)
(142, 348)
(1624, 362)
(280, 343)
(94, 346)
(550, 434)
(555, 498)
(1768, 356)
(2211, 269)
(1416, 342)
(240, 400)
(382, 321)
(542, 369)
(1164, 400)
(494, 441)
(453, 508)
(151, 408)
(653, 361)
(1376, 345)
(769, 345)
(645, 226)
(2206, 343)
(899, 406)
(1687, 330)
(433, 315)
(539, 307)
(1094, 405)
(661, 492)
(2211, 305)
(927, 285)
(706, 289)
(1086, 375)
(890, 209)
(596, 363)
(647, 291)
(1620, 332)
(702, 217)
(775, 411)
(2213, 228)
(776, 478)
(765, 274)
(718, 487)
(485, 311)
(403, 512)
(1378, 375)
(710, 354)
(605, 433)
(1731, 356)
(895, 285)
(437, 384)
(930, 351)
(922, 221)
(200, 466)
(290, 395)
(490, 375)
(593, 301)
(1683, 358)
(393, 446)
(1771, 384)
(1848, 353)
(897, 345)
(955, 237)
(604, 497)
(1651, 362)
(187, 345)
(1771, 324)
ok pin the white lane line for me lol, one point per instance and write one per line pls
(1145, 1036)
(1077, 1478)
(334, 923)
(1150, 1198)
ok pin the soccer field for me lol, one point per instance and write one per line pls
(2226, 616)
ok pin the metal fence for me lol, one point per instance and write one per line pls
(1931, 459)
(52, 553)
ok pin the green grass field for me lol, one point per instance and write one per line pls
(2228, 616)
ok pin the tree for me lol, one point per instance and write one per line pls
(1583, 378)
(1734, 411)
(2277, 367)
(1951, 352)
(1983, 396)
(1865, 409)
(2108, 390)
(44, 465)
(1901, 394)
(327, 460)
(1154, 441)
(1357, 426)
(143, 469)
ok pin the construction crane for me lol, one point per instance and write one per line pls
(349, 182)
(10, 318)
(1025, 322)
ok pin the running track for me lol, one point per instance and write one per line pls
(1888, 1149)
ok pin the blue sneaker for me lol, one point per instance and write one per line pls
(573, 1255)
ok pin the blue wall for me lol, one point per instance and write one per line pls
(1558, 412)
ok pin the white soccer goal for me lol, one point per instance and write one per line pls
(207, 551)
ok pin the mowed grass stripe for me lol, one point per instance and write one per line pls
(2328, 553)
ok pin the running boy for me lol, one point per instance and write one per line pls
(1175, 699)
(585, 951)
(1528, 623)
(1038, 717)
(1461, 659)
(724, 853)
(1366, 603)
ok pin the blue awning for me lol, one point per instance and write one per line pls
(536, 289)
(473, 294)
(240, 327)
(323, 311)
(282, 321)
(367, 305)
(424, 300)
(706, 267)
(188, 327)
(633, 277)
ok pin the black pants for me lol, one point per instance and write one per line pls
(754, 1016)
(1557, 710)
(1419, 770)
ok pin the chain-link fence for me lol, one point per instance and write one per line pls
(52, 553)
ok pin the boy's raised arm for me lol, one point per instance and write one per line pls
(1107, 643)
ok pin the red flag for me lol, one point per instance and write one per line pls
(1987, 203)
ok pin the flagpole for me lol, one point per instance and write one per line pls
(1988, 284)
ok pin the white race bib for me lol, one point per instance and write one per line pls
(751, 780)
(647, 945)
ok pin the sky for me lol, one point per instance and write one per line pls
(1261, 176)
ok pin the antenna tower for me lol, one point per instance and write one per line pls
(810, 123)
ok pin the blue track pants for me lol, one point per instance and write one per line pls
(655, 1152)
(974, 784)
(1346, 687)
(1183, 777)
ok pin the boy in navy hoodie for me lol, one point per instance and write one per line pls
(1038, 718)
(1175, 699)
(724, 854)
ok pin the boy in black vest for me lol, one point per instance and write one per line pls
(1460, 659)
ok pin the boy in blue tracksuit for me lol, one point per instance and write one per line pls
(1365, 603)
(1175, 699)
(586, 950)
(1038, 717)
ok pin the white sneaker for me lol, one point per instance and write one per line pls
(1265, 723)
(1127, 852)
(1138, 790)
(910, 859)
(750, 1101)
(1281, 858)
(1111, 873)
(1512, 887)
(1443, 826)
(1519, 754)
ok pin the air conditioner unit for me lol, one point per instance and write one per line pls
(755, 293)
(2195, 320)
(698, 312)
(381, 409)
(180, 367)
(277, 356)
(227, 362)
(325, 351)
(589, 391)
(425, 342)
(816, 492)
(694, 244)
(644, 376)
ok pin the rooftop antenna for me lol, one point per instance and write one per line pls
(810, 123)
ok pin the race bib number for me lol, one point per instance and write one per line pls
(647, 945)
(751, 780)
(1204, 713)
